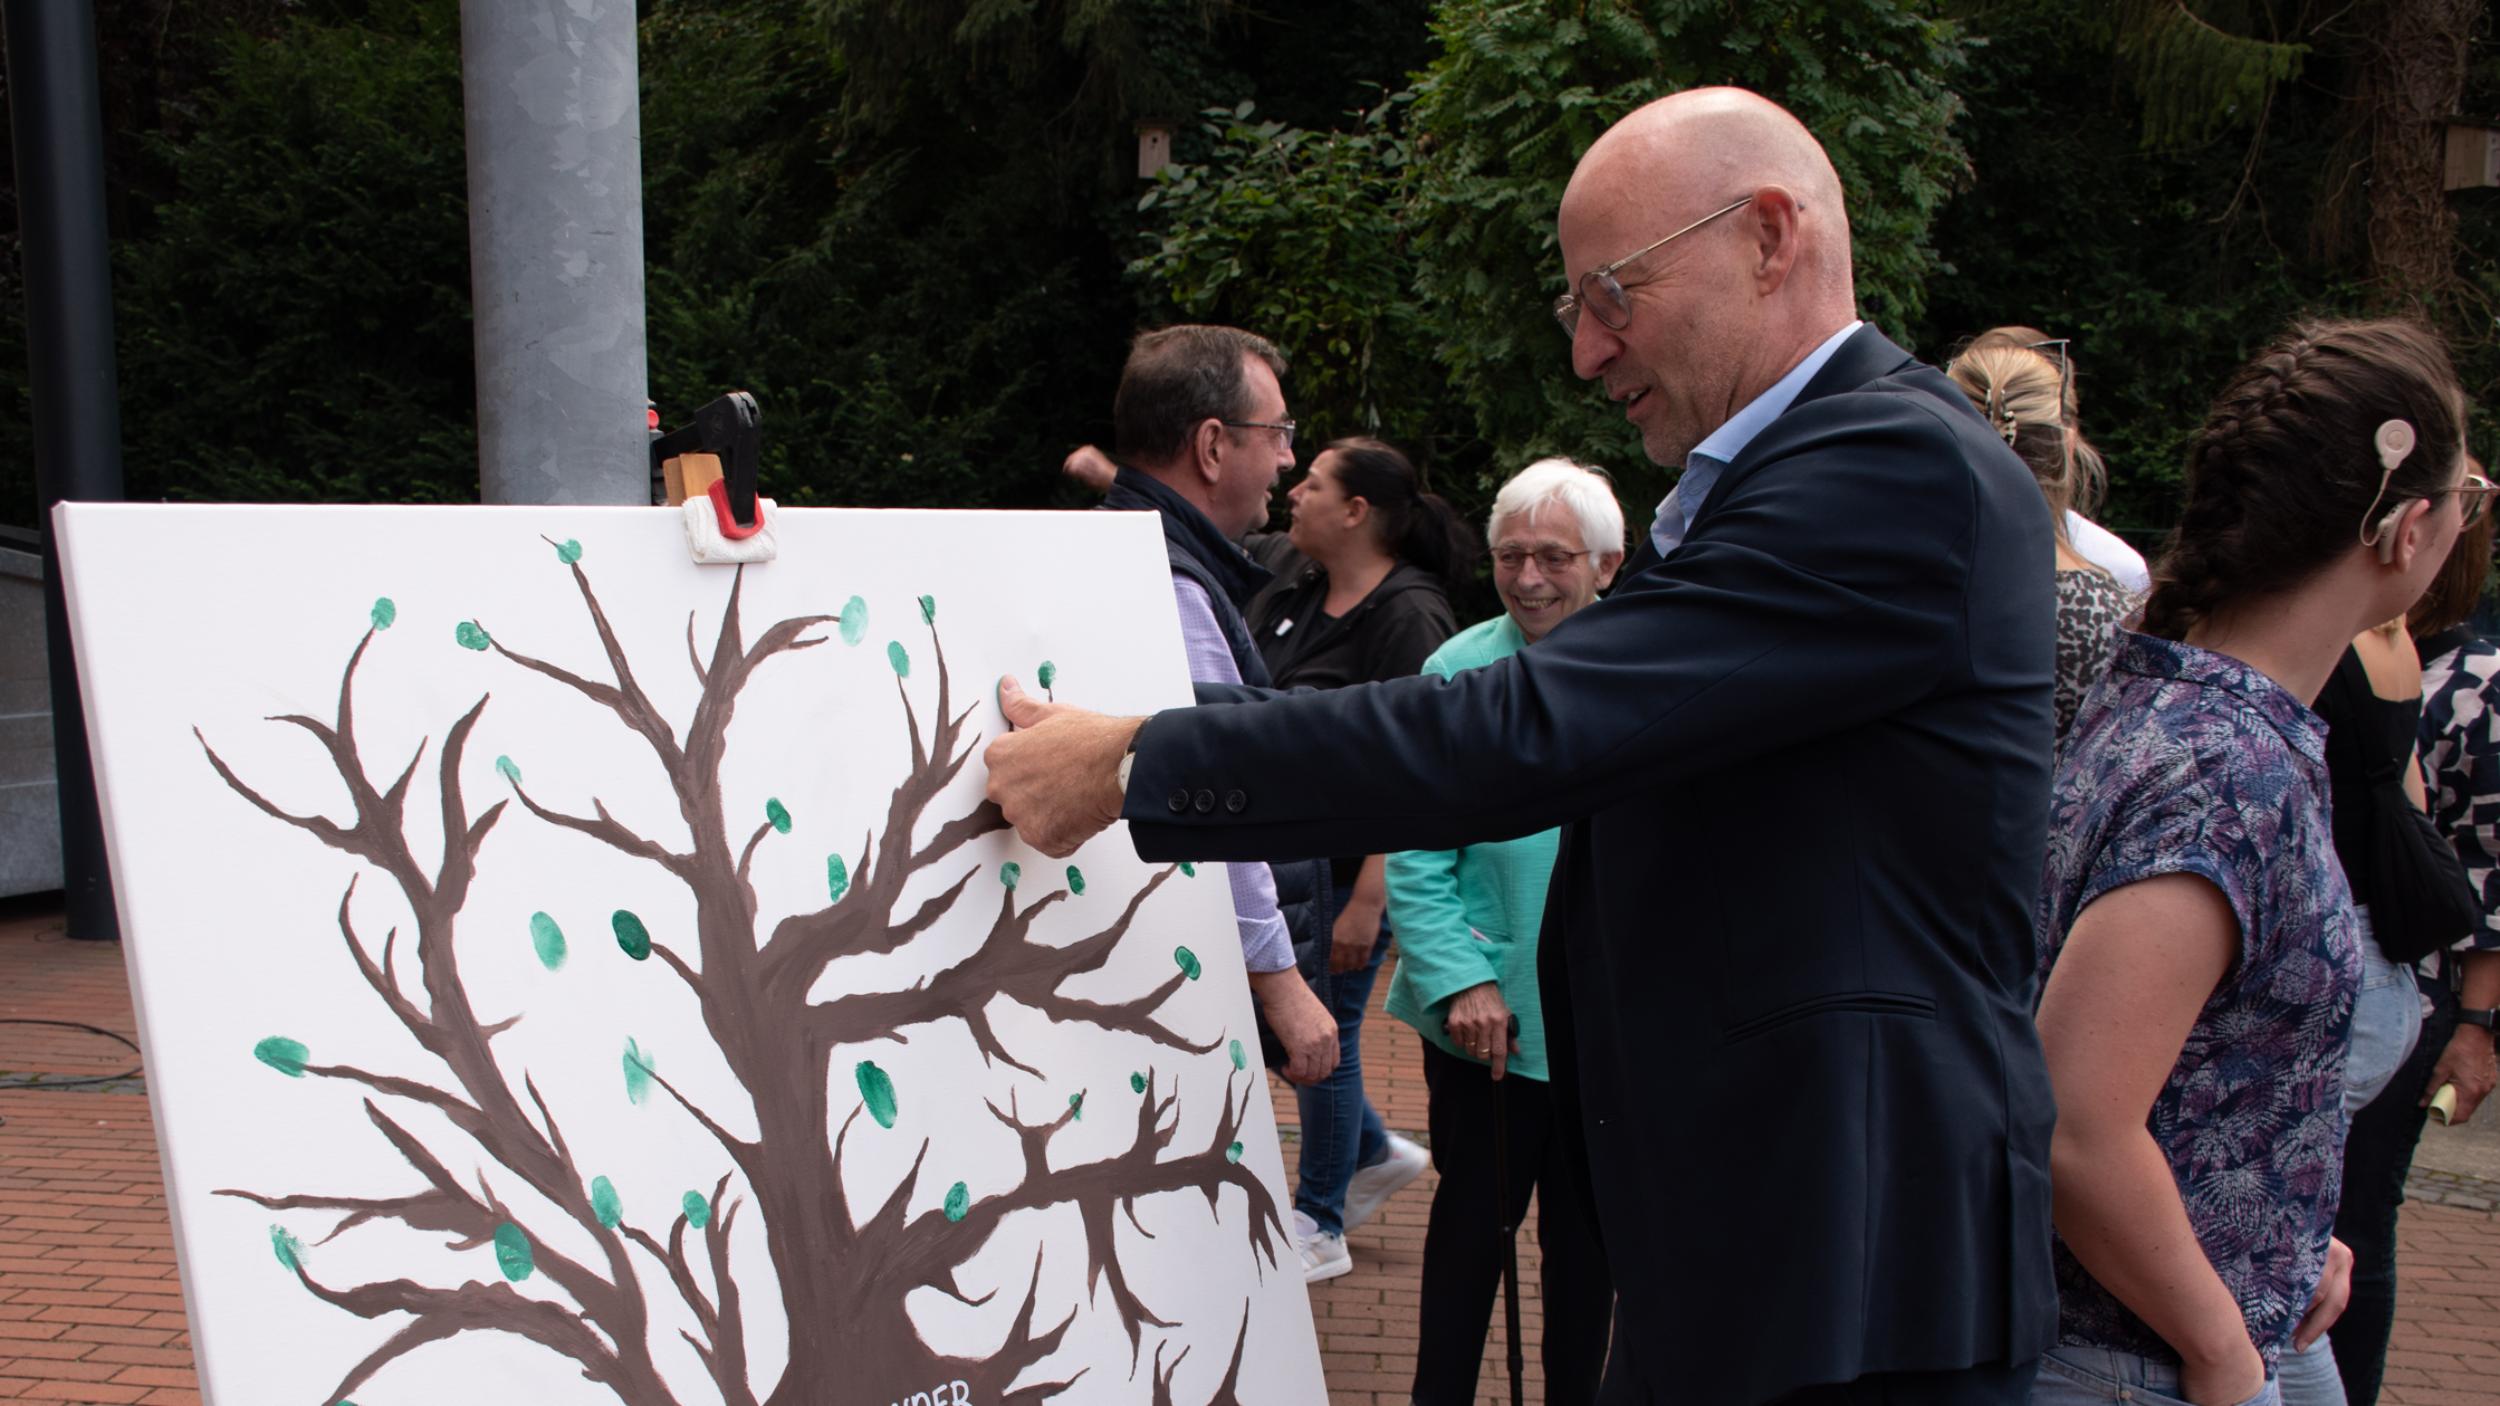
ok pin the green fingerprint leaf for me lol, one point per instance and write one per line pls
(569, 551)
(512, 1251)
(1188, 870)
(631, 935)
(854, 626)
(958, 1201)
(1076, 1105)
(290, 1251)
(878, 1090)
(605, 1203)
(928, 610)
(1076, 881)
(778, 814)
(471, 635)
(1046, 675)
(548, 939)
(638, 1067)
(511, 771)
(1233, 1153)
(1010, 873)
(384, 612)
(895, 656)
(282, 1054)
(1240, 1061)
(1137, 1083)
(1187, 961)
(837, 876)
(698, 1211)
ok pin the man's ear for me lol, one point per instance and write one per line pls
(1608, 563)
(1771, 222)
(1206, 450)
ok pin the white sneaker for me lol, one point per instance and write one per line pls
(1372, 1186)
(1323, 1256)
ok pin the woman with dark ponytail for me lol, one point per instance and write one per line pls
(1359, 596)
(2196, 934)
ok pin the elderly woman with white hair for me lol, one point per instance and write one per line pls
(1467, 921)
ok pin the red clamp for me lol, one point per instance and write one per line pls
(729, 527)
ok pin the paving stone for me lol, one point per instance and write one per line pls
(89, 1296)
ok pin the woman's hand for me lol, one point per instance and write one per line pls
(1090, 467)
(1356, 934)
(1479, 1021)
(2327, 1304)
(2468, 1063)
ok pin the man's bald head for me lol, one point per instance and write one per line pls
(1701, 148)
(1723, 224)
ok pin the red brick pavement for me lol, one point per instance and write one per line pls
(91, 1310)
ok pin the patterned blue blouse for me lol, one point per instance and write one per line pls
(2184, 761)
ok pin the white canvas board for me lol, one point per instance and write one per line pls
(729, 1065)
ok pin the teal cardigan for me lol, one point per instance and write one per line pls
(1468, 916)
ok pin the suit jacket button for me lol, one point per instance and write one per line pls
(1179, 800)
(1205, 801)
(1234, 801)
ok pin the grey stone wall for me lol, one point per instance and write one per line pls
(30, 817)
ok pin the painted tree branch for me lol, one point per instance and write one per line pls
(1009, 964)
(845, 1279)
(447, 1027)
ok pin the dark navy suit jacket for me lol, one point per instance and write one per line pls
(1803, 766)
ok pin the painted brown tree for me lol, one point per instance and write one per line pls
(844, 1270)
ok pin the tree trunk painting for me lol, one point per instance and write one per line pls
(844, 1231)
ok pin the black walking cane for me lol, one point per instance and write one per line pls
(1510, 1228)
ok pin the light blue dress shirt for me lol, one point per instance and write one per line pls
(1711, 457)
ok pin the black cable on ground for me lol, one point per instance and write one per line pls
(131, 1073)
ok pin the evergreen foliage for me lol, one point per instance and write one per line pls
(2196, 78)
(1446, 218)
(915, 229)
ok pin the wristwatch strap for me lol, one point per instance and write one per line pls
(2489, 1019)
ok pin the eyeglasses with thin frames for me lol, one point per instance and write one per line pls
(2475, 489)
(1601, 294)
(1282, 427)
(1553, 561)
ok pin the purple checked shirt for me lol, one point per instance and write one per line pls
(1265, 945)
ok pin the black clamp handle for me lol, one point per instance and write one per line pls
(730, 428)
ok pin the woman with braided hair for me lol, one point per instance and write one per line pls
(2022, 394)
(2196, 936)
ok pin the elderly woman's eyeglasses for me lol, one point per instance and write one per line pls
(1553, 561)
(1601, 294)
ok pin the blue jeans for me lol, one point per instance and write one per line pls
(2310, 1378)
(1340, 1129)
(2084, 1376)
(2386, 1020)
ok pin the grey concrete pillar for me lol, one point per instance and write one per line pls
(555, 249)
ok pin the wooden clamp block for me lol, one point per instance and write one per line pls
(690, 476)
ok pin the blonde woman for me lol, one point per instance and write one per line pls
(2022, 393)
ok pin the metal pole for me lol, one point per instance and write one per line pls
(58, 124)
(555, 250)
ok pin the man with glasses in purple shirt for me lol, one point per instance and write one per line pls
(1201, 438)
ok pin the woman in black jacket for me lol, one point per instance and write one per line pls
(1359, 596)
